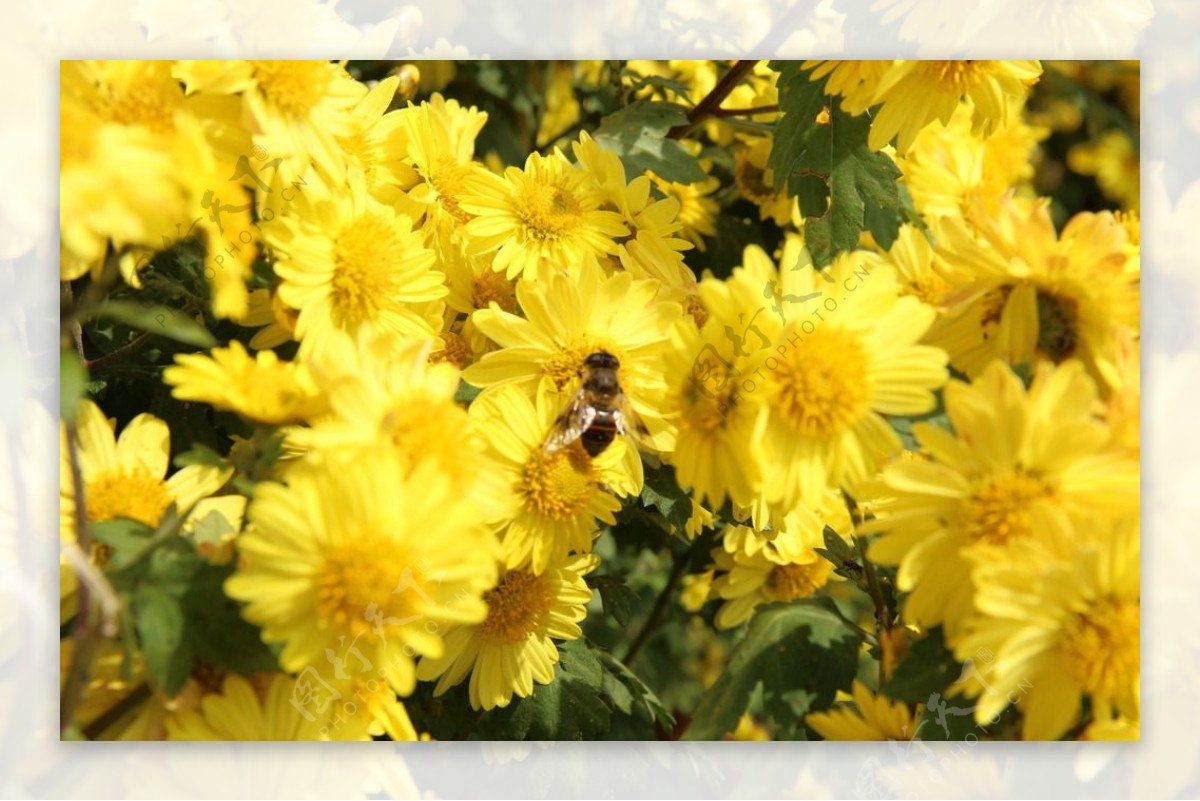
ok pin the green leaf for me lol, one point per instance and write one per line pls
(800, 100)
(216, 632)
(160, 625)
(569, 708)
(199, 454)
(799, 654)
(127, 538)
(624, 689)
(929, 668)
(618, 598)
(73, 381)
(638, 134)
(842, 555)
(861, 183)
(160, 320)
(663, 493)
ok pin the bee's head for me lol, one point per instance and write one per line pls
(602, 359)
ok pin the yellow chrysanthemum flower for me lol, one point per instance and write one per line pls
(374, 143)
(1114, 160)
(915, 93)
(299, 109)
(1024, 292)
(514, 646)
(652, 249)
(264, 708)
(874, 717)
(106, 687)
(127, 476)
(274, 319)
(697, 208)
(918, 269)
(350, 263)
(857, 82)
(757, 184)
(262, 388)
(1060, 632)
(1022, 470)
(569, 316)
(123, 477)
(397, 398)
(845, 355)
(949, 169)
(362, 554)
(554, 500)
(562, 107)
(543, 218)
(757, 567)
(440, 142)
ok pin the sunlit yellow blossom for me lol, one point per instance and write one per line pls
(106, 687)
(1060, 632)
(1023, 470)
(440, 145)
(514, 646)
(1025, 292)
(845, 354)
(758, 567)
(352, 264)
(374, 143)
(653, 250)
(300, 108)
(569, 316)
(920, 274)
(562, 107)
(543, 218)
(951, 171)
(554, 501)
(362, 554)
(263, 708)
(757, 184)
(380, 396)
(856, 81)
(1114, 160)
(697, 208)
(274, 319)
(874, 716)
(262, 388)
(915, 93)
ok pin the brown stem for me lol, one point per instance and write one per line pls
(711, 102)
(654, 619)
(745, 112)
(84, 633)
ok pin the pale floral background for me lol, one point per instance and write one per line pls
(34, 36)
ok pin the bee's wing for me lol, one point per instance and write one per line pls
(570, 425)
(628, 422)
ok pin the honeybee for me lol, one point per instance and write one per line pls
(599, 411)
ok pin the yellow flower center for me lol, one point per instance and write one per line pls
(753, 181)
(493, 287)
(1057, 325)
(368, 584)
(1103, 647)
(517, 608)
(956, 77)
(929, 289)
(132, 493)
(367, 257)
(789, 582)
(294, 87)
(449, 181)
(565, 365)
(558, 485)
(999, 510)
(822, 384)
(454, 350)
(695, 307)
(144, 103)
(548, 211)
